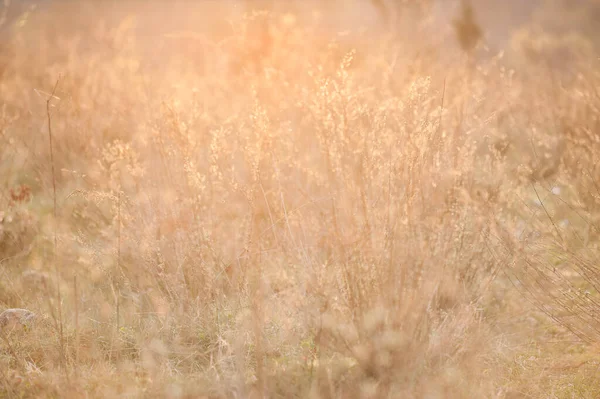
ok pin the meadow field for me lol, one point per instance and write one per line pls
(304, 199)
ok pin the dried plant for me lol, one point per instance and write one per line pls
(267, 208)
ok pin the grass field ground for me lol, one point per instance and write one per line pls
(274, 208)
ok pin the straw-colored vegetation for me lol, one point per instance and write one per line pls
(268, 207)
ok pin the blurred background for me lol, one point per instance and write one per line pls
(325, 199)
(504, 21)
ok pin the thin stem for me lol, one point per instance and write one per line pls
(54, 217)
(76, 325)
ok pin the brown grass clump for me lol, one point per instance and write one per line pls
(275, 207)
(16, 318)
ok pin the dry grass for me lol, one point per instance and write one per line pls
(271, 209)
